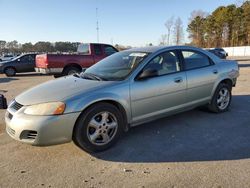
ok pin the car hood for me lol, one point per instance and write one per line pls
(59, 90)
(4, 62)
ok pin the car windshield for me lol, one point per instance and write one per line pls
(115, 67)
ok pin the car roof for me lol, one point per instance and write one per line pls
(152, 49)
(155, 49)
(149, 49)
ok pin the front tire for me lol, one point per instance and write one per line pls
(9, 71)
(221, 99)
(98, 128)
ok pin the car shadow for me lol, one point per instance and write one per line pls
(187, 137)
(7, 79)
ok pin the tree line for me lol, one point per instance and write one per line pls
(57, 47)
(225, 26)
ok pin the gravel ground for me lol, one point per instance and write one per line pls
(191, 149)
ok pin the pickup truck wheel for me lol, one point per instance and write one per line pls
(98, 128)
(57, 75)
(221, 99)
(71, 70)
(9, 71)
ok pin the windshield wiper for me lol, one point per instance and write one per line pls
(91, 76)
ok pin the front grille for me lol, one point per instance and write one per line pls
(11, 131)
(15, 106)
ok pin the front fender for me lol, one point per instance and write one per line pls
(79, 104)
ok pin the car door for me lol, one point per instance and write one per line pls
(160, 94)
(25, 64)
(201, 76)
(30, 66)
(98, 52)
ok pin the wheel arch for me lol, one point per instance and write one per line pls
(115, 103)
(9, 67)
(76, 65)
(223, 80)
(227, 81)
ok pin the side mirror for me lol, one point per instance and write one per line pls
(149, 71)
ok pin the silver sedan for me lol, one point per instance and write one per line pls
(121, 91)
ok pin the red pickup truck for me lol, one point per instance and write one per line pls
(66, 64)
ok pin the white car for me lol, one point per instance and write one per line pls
(6, 57)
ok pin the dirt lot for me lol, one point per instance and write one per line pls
(192, 149)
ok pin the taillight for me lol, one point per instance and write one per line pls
(46, 61)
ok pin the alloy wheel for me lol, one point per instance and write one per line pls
(223, 98)
(102, 128)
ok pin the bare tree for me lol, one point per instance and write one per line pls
(169, 24)
(178, 31)
(163, 40)
(199, 13)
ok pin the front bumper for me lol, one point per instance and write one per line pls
(40, 130)
(1, 70)
(49, 70)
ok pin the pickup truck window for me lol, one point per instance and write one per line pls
(97, 49)
(109, 50)
(83, 49)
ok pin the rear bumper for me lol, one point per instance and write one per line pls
(49, 70)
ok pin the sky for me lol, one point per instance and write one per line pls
(125, 22)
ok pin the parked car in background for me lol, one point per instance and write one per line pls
(220, 52)
(20, 64)
(67, 64)
(121, 91)
(6, 57)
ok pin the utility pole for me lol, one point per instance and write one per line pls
(97, 25)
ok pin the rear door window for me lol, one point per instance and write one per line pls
(194, 60)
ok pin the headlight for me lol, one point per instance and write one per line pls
(53, 108)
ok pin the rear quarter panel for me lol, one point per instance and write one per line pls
(228, 69)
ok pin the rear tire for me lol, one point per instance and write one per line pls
(98, 128)
(10, 71)
(71, 71)
(221, 99)
(57, 75)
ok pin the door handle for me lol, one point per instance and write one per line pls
(178, 80)
(215, 71)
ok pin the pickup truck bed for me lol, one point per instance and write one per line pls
(66, 64)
